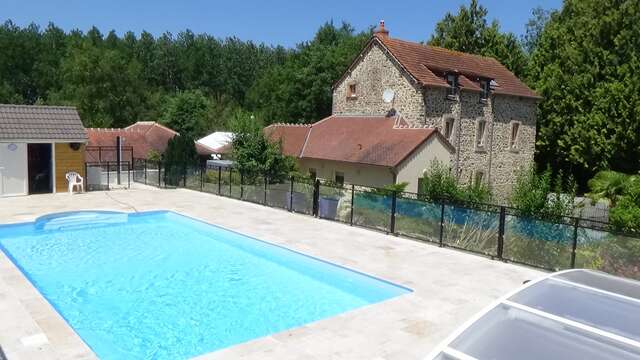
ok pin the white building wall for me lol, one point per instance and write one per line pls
(414, 166)
(360, 174)
(13, 169)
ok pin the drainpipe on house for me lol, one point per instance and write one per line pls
(458, 137)
(493, 120)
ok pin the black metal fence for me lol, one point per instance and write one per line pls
(499, 232)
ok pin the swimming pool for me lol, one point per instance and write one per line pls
(159, 285)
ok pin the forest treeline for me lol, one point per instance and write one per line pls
(583, 59)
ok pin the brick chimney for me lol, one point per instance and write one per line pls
(381, 30)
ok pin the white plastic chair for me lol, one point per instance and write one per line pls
(75, 180)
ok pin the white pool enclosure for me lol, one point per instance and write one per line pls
(573, 314)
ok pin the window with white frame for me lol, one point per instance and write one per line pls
(447, 128)
(481, 129)
(515, 132)
(339, 178)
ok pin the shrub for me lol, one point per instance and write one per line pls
(154, 155)
(254, 154)
(179, 156)
(610, 185)
(625, 216)
(543, 195)
(438, 183)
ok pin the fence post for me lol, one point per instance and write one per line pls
(291, 195)
(202, 171)
(574, 245)
(241, 186)
(230, 182)
(129, 175)
(392, 223)
(86, 177)
(442, 224)
(316, 197)
(108, 180)
(145, 171)
(184, 177)
(503, 216)
(159, 176)
(266, 182)
(219, 176)
(353, 190)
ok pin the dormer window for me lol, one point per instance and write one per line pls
(485, 86)
(352, 91)
(452, 90)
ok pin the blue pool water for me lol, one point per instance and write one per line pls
(159, 285)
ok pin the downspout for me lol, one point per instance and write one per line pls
(493, 120)
(458, 137)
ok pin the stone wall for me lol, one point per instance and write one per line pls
(507, 162)
(375, 72)
(498, 162)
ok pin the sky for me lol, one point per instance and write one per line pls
(276, 22)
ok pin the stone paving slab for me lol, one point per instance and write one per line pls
(448, 286)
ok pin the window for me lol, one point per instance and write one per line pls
(448, 128)
(486, 89)
(513, 141)
(477, 181)
(480, 133)
(452, 80)
(352, 91)
(312, 173)
(339, 178)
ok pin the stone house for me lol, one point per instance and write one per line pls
(481, 108)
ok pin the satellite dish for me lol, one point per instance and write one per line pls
(388, 95)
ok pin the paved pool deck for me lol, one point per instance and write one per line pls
(449, 286)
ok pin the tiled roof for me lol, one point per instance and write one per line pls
(143, 136)
(34, 122)
(107, 137)
(372, 140)
(427, 64)
(292, 136)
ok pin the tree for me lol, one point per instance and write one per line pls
(179, 156)
(468, 31)
(103, 84)
(299, 90)
(254, 154)
(534, 28)
(586, 66)
(187, 112)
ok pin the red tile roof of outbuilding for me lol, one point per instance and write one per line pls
(143, 136)
(371, 140)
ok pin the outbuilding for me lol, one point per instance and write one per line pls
(363, 150)
(39, 145)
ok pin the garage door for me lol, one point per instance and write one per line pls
(13, 169)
